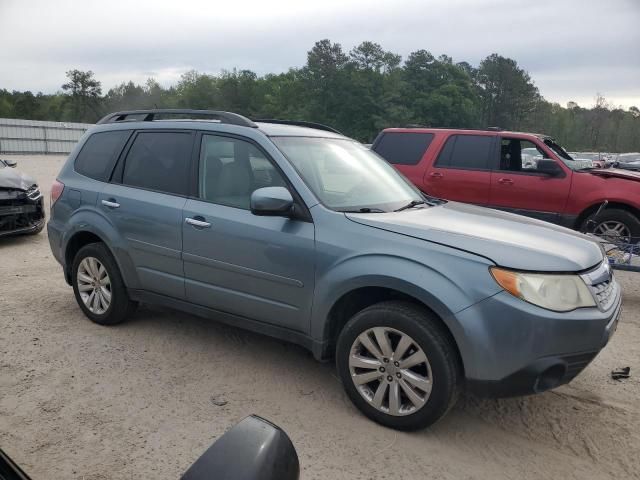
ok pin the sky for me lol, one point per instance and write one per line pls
(573, 49)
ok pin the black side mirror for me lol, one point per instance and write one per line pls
(254, 449)
(549, 167)
(10, 163)
(272, 202)
(9, 470)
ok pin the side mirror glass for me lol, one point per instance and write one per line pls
(10, 163)
(272, 201)
(548, 167)
(255, 449)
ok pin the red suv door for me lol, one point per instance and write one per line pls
(461, 172)
(518, 186)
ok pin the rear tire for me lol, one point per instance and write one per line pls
(434, 384)
(98, 286)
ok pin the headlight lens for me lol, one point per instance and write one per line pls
(560, 293)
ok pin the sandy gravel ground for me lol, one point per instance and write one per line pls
(80, 401)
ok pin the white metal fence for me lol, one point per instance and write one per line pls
(34, 136)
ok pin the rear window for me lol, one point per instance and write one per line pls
(466, 151)
(99, 154)
(403, 148)
(159, 161)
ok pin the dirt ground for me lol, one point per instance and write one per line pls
(81, 401)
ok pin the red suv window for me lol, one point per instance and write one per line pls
(467, 152)
(403, 148)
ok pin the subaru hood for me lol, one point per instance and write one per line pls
(13, 179)
(509, 240)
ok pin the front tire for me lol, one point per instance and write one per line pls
(615, 225)
(98, 286)
(398, 366)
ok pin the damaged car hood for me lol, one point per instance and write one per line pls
(617, 173)
(15, 180)
(509, 240)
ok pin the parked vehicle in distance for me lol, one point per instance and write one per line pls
(597, 160)
(21, 204)
(628, 161)
(308, 236)
(492, 168)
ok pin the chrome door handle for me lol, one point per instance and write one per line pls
(197, 223)
(110, 204)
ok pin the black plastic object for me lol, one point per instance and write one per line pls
(151, 115)
(255, 449)
(621, 373)
(9, 470)
(299, 123)
(549, 167)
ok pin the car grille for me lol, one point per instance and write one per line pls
(603, 285)
(34, 193)
(605, 293)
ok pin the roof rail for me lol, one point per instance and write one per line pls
(487, 129)
(150, 116)
(298, 123)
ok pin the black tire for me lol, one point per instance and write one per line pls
(121, 306)
(628, 219)
(424, 328)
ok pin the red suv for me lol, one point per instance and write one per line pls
(524, 173)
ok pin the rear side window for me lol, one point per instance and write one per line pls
(466, 151)
(99, 154)
(403, 148)
(159, 161)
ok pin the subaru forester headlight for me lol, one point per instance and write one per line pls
(557, 292)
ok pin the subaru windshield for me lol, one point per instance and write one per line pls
(348, 177)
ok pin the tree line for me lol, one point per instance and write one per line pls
(358, 92)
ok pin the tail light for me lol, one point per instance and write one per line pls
(56, 191)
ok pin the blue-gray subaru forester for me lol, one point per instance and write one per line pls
(293, 230)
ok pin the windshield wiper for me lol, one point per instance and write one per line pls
(364, 210)
(411, 204)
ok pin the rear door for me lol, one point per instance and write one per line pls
(517, 185)
(145, 202)
(236, 262)
(461, 171)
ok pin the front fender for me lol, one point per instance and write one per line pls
(90, 220)
(446, 291)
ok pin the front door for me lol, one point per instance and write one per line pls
(517, 186)
(236, 262)
(145, 202)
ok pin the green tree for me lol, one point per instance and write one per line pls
(324, 79)
(359, 92)
(439, 93)
(84, 94)
(507, 92)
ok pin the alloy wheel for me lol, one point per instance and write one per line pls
(613, 230)
(390, 371)
(94, 285)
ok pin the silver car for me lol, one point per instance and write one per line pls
(298, 232)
